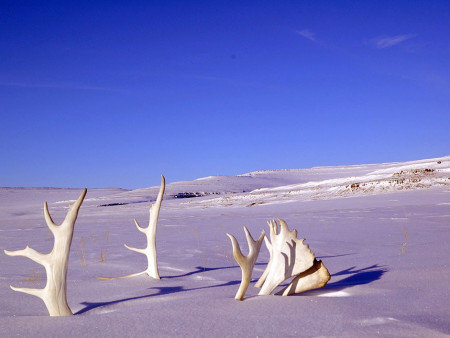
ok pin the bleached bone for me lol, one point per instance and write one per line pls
(246, 262)
(289, 257)
(55, 262)
(314, 278)
(150, 233)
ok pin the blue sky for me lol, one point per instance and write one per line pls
(114, 93)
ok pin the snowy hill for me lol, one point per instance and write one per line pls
(278, 186)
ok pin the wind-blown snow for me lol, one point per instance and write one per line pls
(382, 230)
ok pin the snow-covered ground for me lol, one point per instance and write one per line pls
(382, 230)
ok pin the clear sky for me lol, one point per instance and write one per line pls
(114, 93)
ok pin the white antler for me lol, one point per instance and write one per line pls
(246, 262)
(55, 262)
(150, 232)
(290, 257)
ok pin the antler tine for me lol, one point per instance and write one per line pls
(73, 209)
(142, 251)
(30, 253)
(283, 227)
(48, 219)
(237, 253)
(138, 226)
(156, 207)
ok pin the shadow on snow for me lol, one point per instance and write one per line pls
(164, 290)
(356, 277)
(202, 269)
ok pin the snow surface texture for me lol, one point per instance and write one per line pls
(382, 231)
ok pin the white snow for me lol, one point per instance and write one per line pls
(356, 219)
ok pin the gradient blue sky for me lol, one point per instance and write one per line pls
(114, 93)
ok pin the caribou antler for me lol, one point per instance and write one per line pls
(55, 262)
(290, 257)
(246, 262)
(150, 232)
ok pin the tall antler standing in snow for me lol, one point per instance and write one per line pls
(290, 257)
(246, 262)
(150, 232)
(55, 262)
